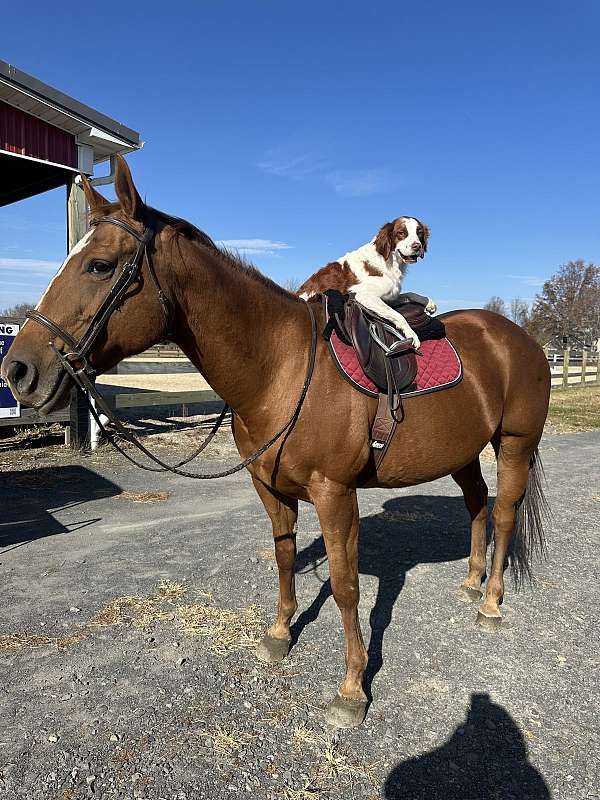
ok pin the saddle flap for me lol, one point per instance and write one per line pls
(395, 370)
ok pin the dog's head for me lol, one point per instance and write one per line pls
(405, 239)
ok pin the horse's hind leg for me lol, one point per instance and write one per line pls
(514, 455)
(283, 512)
(475, 492)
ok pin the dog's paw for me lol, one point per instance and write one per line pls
(416, 341)
(431, 307)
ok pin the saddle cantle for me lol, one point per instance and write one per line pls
(377, 360)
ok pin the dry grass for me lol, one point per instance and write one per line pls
(227, 628)
(130, 610)
(168, 590)
(21, 641)
(299, 794)
(144, 497)
(227, 742)
(406, 516)
(140, 611)
(332, 763)
(575, 409)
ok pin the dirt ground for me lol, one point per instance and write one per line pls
(133, 601)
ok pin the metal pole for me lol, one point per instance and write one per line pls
(94, 427)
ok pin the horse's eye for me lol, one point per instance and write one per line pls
(100, 267)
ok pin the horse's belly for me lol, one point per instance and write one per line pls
(440, 433)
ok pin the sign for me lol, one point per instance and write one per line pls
(9, 407)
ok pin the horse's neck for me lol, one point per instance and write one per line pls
(236, 330)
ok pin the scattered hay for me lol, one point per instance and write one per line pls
(596, 498)
(168, 590)
(302, 735)
(406, 516)
(140, 611)
(228, 629)
(144, 497)
(227, 742)
(332, 762)
(268, 553)
(135, 610)
(305, 793)
(20, 641)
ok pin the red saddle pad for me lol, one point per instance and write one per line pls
(438, 367)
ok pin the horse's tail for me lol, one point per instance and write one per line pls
(532, 515)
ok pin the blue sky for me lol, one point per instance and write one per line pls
(296, 130)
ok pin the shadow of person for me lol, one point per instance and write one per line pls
(484, 759)
(32, 495)
(410, 530)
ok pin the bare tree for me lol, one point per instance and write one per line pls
(497, 305)
(18, 310)
(569, 304)
(519, 311)
(292, 284)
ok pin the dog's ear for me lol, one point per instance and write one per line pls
(384, 241)
(424, 235)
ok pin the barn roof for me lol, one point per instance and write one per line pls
(105, 135)
(47, 136)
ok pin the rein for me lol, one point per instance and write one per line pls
(83, 375)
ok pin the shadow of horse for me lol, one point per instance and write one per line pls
(484, 759)
(32, 495)
(410, 530)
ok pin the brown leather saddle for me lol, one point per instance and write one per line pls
(385, 355)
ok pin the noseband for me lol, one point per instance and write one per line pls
(130, 274)
(83, 374)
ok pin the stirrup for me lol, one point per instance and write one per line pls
(401, 345)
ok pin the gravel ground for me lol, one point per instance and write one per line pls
(132, 601)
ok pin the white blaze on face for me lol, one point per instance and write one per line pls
(406, 246)
(73, 252)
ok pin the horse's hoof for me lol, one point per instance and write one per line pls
(345, 713)
(490, 622)
(469, 594)
(272, 650)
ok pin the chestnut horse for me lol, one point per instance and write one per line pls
(251, 340)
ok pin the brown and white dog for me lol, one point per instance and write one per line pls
(374, 272)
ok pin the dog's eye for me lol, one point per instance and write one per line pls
(97, 267)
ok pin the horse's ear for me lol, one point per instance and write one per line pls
(94, 198)
(131, 202)
(384, 241)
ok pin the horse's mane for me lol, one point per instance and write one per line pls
(182, 227)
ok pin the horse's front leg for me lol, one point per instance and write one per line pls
(283, 512)
(337, 508)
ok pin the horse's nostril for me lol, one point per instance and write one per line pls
(21, 375)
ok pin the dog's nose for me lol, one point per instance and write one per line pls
(21, 375)
(416, 247)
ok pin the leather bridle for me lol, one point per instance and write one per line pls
(130, 274)
(76, 360)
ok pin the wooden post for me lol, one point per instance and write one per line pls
(584, 359)
(565, 375)
(76, 228)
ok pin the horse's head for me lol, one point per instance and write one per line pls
(82, 285)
